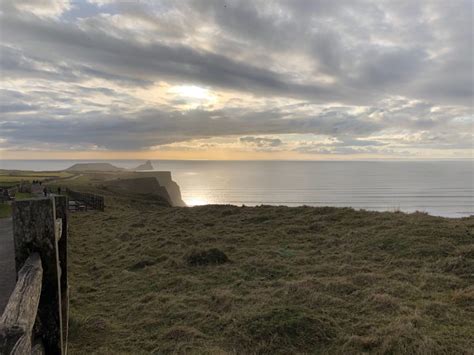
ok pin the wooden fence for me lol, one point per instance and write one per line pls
(35, 320)
(91, 200)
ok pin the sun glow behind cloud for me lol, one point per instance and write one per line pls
(191, 91)
(192, 96)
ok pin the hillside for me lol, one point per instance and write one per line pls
(149, 279)
(143, 187)
(99, 167)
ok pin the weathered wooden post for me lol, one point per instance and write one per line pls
(18, 319)
(35, 229)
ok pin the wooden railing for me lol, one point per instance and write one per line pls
(35, 319)
(91, 200)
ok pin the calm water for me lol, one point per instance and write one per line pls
(439, 188)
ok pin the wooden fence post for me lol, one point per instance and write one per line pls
(35, 230)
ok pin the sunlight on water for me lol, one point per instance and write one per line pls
(196, 201)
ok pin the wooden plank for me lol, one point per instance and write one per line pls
(34, 230)
(19, 317)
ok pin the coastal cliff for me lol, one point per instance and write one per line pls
(147, 187)
(158, 183)
(164, 179)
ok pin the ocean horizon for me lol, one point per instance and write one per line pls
(441, 188)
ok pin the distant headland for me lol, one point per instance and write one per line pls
(94, 167)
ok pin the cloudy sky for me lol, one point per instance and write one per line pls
(289, 79)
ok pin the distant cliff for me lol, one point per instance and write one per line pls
(147, 187)
(101, 167)
(145, 166)
(164, 180)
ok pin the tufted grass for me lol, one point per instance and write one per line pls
(298, 280)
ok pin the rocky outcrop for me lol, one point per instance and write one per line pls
(101, 167)
(145, 166)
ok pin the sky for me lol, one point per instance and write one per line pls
(209, 79)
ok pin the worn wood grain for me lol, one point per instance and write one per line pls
(18, 319)
(34, 230)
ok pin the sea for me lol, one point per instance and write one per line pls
(441, 188)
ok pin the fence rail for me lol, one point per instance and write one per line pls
(35, 319)
(91, 200)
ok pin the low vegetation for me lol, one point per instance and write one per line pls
(222, 279)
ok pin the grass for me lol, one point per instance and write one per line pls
(5, 210)
(144, 279)
(11, 177)
(24, 195)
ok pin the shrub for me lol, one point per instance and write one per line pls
(206, 257)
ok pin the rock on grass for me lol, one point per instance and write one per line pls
(206, 257)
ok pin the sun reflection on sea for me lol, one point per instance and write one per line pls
(196, 201)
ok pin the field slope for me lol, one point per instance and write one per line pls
(297, 280)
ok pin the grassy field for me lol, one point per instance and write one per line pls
(150, 279)
(12, 177)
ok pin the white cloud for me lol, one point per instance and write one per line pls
(42, 8)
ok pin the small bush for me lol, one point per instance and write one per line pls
(206, 257)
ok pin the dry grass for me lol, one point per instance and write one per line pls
(15, 176)
(298, 280)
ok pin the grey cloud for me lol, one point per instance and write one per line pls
(357, 52)
(151, 127)
(16, 107)
(154, 127)
(343, 50)
(115, 58)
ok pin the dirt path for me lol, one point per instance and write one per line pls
(7, 262)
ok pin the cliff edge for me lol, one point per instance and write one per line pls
(163, 179)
